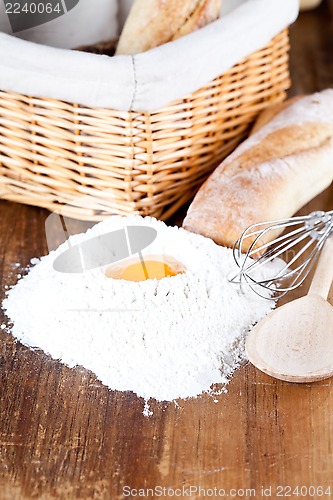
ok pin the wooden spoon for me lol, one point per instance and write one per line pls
(295, 342)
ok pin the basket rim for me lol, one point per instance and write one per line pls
(149, 81)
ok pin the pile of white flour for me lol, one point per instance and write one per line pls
(164, 339)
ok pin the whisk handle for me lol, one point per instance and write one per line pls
(323, 276)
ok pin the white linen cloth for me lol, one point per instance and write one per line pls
(148, 81)
(90, 21)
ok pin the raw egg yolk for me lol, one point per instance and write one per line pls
(149, 268)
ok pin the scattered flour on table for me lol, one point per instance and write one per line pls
(167, 339)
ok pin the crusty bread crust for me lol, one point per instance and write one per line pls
(151, 23)
(270, 113)
(205, 13)
(280, 168)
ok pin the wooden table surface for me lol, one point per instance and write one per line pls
(64, 435)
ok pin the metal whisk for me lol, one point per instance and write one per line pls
(256, 248)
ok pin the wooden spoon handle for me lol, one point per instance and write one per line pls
(323, 276)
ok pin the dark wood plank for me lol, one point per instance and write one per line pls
(65, 435)
(312, 49)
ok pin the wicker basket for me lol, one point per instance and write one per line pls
(88, 163)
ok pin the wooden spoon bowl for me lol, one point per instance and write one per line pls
(295, 342)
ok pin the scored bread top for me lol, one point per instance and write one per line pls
(204, 13)
(151, 23)
(280, 143)
(277, 170)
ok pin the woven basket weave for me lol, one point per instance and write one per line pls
(88, 163)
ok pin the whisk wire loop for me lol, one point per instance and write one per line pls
(258, 254)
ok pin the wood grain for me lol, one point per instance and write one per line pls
(64, 435)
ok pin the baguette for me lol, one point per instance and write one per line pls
(151, 23)
(281, 167)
